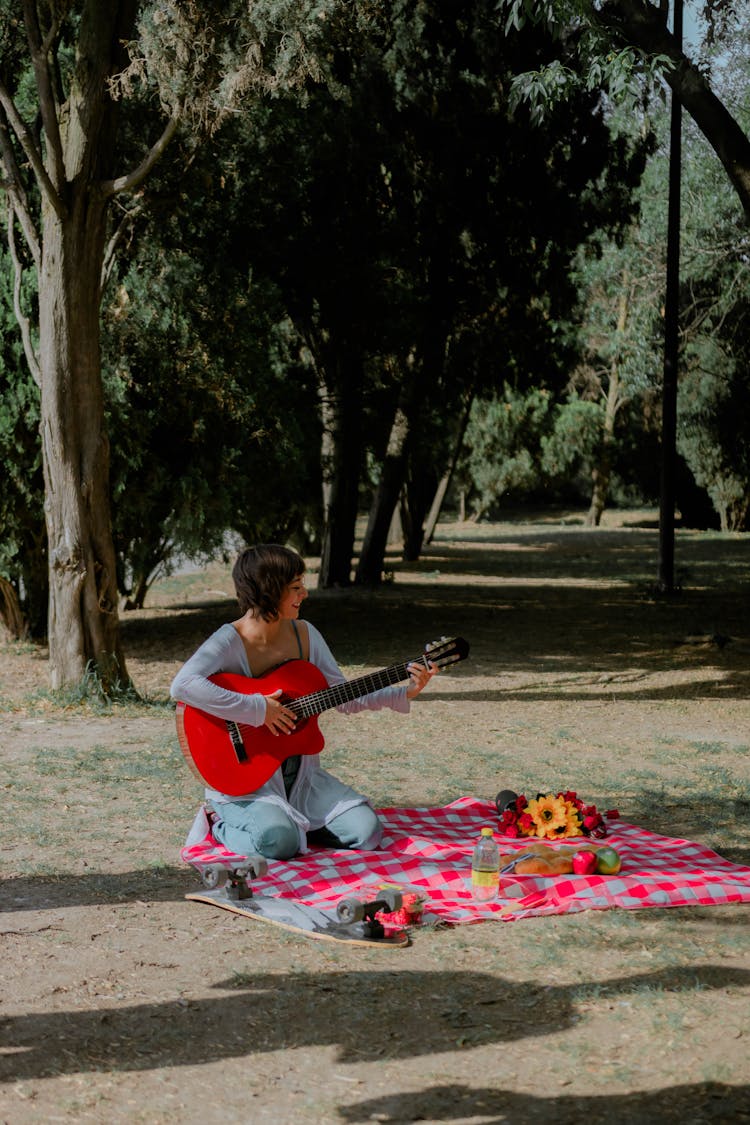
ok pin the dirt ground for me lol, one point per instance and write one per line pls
(121, 1002)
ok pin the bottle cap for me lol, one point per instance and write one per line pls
(486, 832)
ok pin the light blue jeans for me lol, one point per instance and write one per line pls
(263, 828)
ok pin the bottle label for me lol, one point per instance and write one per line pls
(484, 878)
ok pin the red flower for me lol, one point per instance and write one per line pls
(510, 830)
(526, 823)
(612, 814)
(521, 804)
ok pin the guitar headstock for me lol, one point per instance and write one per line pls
(448, 650)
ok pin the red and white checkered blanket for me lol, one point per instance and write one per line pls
(429, 851)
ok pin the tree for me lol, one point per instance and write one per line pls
(621, 39)
(714, 390)
(64, 78)
(622, 295)
(620, 283)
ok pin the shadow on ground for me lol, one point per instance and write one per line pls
(258, 1013)
(689, 1105)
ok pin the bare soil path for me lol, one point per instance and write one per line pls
(123, 1003)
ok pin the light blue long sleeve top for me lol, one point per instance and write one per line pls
(316, 796)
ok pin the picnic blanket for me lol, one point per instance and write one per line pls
(428, 850)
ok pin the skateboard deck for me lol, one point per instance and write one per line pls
(227, 883)
(310, 921)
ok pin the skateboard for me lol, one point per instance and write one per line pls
(352, 921)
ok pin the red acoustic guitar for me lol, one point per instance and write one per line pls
(236, 758)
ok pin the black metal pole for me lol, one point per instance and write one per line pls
(671, 341)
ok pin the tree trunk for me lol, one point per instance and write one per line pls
(341, 410)
(370, 566)
(444, 483)
(83, 623)
(414, 502)
(11, 614)
(427, 362)
(392, 476)
(602, 472)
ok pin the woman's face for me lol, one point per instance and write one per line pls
(292, 598)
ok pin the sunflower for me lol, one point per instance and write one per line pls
(573, 821)
(549, 815)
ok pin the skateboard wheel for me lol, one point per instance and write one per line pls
(214, 876)
(392, 898)
(257, 866)
(350, 910)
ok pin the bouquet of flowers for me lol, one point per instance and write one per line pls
(550, 816)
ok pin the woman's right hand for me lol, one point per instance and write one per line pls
(279, 719)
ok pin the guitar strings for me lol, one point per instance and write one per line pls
(318, 701)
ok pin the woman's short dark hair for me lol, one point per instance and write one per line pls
(261, 574)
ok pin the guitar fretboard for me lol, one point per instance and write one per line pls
(318, 701)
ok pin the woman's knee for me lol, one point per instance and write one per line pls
(259, 828)
(277, 841)
(358, 828)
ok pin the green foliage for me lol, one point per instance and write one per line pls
(714, 446)
(524, 445)
(503, 448)
(198, 368)
(205, 61)
(416, 221)
(573, 440)
(622, 72)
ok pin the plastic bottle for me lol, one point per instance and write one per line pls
(485, 868)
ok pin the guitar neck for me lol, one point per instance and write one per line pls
(323, 700)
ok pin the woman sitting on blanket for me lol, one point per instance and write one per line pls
(301, 802)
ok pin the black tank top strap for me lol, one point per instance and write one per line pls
(299, 640)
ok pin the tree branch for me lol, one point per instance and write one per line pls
(109, 188)
(15, 190)
(643, 25)
(125, 222)
(22, 131)
(48, 106)
(23, 320)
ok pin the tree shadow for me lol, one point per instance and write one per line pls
(263, 1012)
(33, 892)
(612, 639)
(697, 1103)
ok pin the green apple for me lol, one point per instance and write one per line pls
(608, 861)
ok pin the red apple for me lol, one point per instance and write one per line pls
(584, 863)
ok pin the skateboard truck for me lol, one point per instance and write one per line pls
(350, 910)
(236, 881)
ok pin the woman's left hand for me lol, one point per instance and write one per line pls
(420, 675)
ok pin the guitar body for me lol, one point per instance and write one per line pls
(236, 758)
